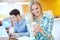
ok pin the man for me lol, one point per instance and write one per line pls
(19, 23)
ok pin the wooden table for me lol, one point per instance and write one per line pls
(12, 39)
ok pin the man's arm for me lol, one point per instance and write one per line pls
(24, 34)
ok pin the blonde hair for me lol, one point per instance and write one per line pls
(34, 2)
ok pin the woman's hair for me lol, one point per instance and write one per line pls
(35, 2)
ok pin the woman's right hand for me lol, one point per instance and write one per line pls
(36, 28)
(33, 26)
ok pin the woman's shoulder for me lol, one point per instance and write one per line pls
(48, 15)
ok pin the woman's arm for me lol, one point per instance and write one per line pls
(28, 23)
(48, 25)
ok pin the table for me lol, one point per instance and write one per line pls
(20, 38)
(13, 39)
(24, 38)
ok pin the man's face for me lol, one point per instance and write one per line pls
(13, 18)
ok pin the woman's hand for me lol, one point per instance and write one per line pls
(36, 28)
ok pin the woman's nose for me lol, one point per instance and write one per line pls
(35, 10)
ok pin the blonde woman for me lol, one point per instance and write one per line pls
(41, 23)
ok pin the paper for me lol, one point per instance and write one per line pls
(3, 32)
(24, 38)
(11, 30)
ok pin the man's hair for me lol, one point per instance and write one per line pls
(15, 12)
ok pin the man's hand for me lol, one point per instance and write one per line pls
(14, 35)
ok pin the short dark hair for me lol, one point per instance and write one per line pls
(15, 12)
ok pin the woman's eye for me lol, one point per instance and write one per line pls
(32, 9)
(36, 8)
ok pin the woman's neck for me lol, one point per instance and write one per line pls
(39, 17)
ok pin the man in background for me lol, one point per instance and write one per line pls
(19, 24)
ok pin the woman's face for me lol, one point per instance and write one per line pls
(36, 9)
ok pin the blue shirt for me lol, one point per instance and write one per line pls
(21, 28)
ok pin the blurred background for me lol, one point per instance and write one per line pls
(47, 5)
(53, 5)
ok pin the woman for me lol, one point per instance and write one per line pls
(45, 21)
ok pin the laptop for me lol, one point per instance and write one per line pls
(3, 34)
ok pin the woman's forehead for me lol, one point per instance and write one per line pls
(36, 3)
(34, 6)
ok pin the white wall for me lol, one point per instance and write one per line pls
(56, 29)
(11, 0)
(6, 8)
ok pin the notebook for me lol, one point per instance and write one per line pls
(24, 38)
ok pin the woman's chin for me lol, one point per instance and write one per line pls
(36, 15)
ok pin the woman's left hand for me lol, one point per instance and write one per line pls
(38, 29)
